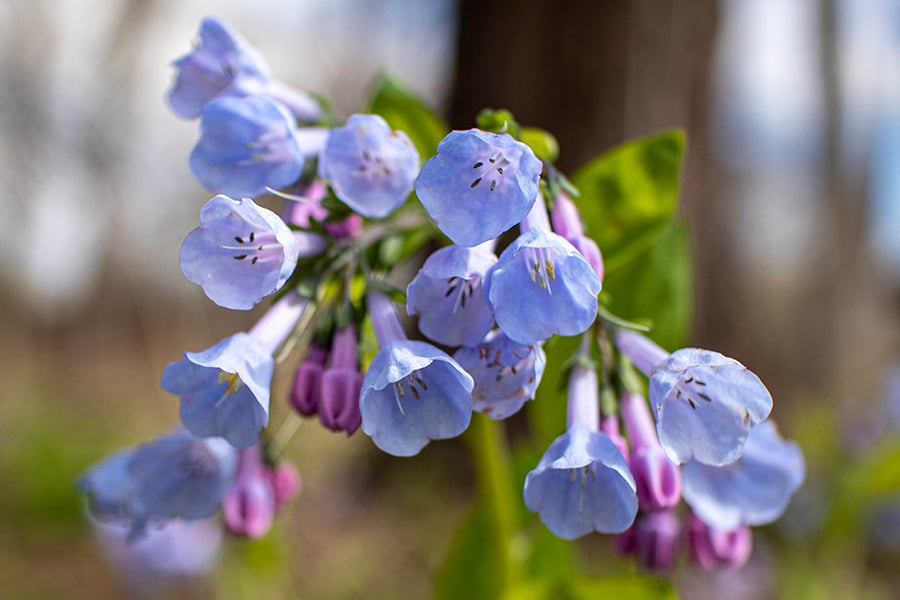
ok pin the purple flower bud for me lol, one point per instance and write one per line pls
(565, 218)
(448, 297)
(658, 479)
(656, 537)
(706, 403)
(371, 167)
(307, 389)
(478, 185)
(285, 482)
(246, 145)
(341, 384)
(249, 505)
(714, 549)
(610, 426)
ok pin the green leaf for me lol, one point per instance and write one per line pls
(471, 564)
(629, 194)
(543, 143)
(657, 285)
(407, 113)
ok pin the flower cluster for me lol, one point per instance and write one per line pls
(353, 193)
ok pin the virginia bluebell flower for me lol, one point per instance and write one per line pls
(582, 483)
(168, 552)
(371, 167)
(224, 389)
(448, 297)
(224, 64)
(242, 252)
(506, 373)
(412, 392)
(714, 549)
(249, 504)
(478, 185)
(705, 403)
(658, 479)
(541, 286)
(754, 490)
(177, 476)
(246, 145)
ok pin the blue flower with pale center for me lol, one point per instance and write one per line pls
(371, 167)
(222, 63)
(246, 145)
(754, 490)
(478, 185)
(240, 253)
(224, 389)
(448, 297)
(506, 373)
(706, 403)
(414, 393)
(177, 476)
(582, 484)
(541, 286)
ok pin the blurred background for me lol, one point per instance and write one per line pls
(791, 191)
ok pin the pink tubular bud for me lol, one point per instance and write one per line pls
(656, 540)
(658, 479)
(307, 388)
(714, 549)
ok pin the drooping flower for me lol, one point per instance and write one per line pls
(242, 252)
(246, 145)
(582, 483)
(413, 392)
(478, 185)
(506, 373)
(177, 476)
(658, 479)
(223, 63)
(167, 553)
(541, 286)
(341, 384)
(249, 505)
(448, 297)
(224, 389)
(705, 403)
(754, 490)
(714, 549)
(371, 167)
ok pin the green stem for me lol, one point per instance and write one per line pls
(493, 473)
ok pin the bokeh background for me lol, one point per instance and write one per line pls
(791, 191)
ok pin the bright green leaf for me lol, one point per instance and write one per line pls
(657, 285)
(407, 113)
(543, 143)
(629, 194)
